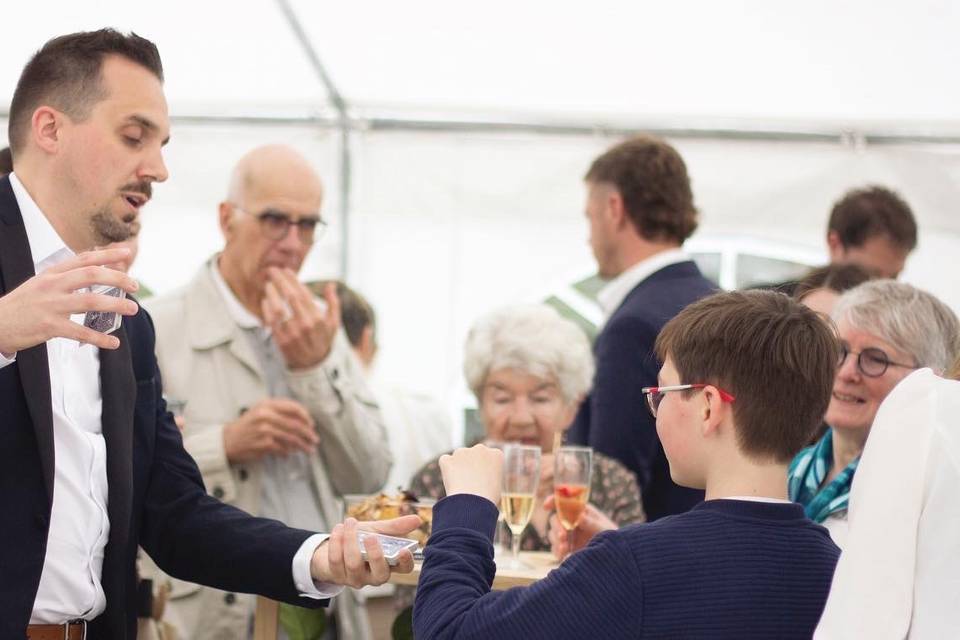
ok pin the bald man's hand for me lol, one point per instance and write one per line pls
(40, 308)
(302, 330)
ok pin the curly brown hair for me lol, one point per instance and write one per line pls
(651, 177)
(871, 211)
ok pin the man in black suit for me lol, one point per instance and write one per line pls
(91, 463)
(640, 209)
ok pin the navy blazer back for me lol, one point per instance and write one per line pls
(614, 418)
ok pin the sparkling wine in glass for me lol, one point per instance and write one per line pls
(521, 473)
(572, 471)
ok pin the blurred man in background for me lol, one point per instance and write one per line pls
(276, 409)
(640, 210)
(417, 427)
(874, 228)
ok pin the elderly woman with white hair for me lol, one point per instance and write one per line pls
(530, 369)
(887, 329)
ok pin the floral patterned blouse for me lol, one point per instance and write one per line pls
(613, 490)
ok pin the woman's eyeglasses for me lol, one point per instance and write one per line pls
(655, 394)
(871, 362)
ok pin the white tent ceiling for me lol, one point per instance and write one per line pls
(686, 62)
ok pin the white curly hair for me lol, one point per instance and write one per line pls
(534, 339)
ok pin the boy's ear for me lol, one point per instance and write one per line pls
(711, 414)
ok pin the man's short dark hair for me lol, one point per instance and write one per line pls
(6, 161)
(356, 314)
(836, 277)
(651, 177)
(873, 211)
(65, 74)
(777, 357)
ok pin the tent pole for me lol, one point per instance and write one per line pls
(862, 135)
(343, 126)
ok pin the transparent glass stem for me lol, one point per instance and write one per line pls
(569, 543)
(515, 545)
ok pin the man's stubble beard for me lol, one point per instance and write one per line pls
(107, 228)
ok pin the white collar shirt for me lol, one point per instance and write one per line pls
(238, 313)
(70, 580)
(615, 292)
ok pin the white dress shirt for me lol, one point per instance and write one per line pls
(614, 293)
(899, 573)
(70, 582)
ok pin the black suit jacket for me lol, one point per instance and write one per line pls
(614, 418)
(156, 497)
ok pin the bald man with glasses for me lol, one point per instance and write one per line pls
(275, 407)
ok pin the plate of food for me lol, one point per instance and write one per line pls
(385, 506)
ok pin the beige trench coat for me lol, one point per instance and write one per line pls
(207, 363)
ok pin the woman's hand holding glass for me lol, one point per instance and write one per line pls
(563, 542)
(573, 470)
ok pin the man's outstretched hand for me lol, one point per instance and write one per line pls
(338, 559)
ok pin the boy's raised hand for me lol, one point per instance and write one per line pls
(477, 470)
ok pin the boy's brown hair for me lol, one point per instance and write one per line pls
(774, 355)
(651, 177)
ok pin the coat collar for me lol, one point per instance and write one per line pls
(208, 318)
(16, 266)
(615, 292)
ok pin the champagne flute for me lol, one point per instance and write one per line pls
(521, 473)
(497, 547)
(572, 471)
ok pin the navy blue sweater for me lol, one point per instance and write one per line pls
(726, 569)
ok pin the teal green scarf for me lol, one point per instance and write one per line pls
(806, 474)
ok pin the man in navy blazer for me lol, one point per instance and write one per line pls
(91, 463)
(640, 209)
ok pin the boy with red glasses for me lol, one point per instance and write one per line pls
(745, 381)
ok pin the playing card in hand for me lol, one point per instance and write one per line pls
(104, 321)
